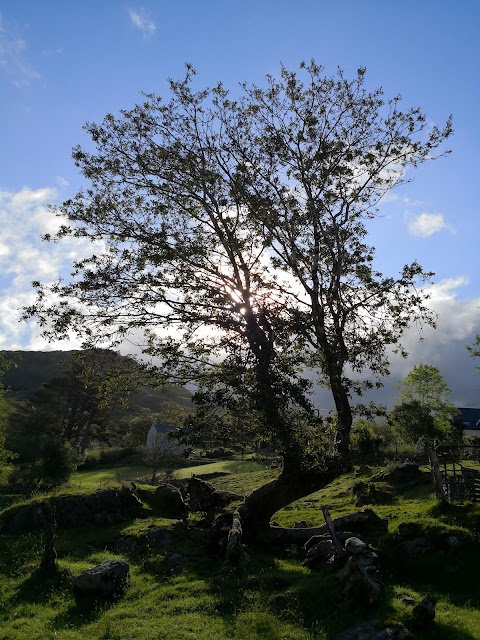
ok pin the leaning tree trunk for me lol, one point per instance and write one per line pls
(293, 483)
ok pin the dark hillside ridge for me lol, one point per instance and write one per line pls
(35, 368)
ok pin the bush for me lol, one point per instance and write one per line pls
(219, 452)
(365, 442)
(91, 459)
(54, 464)
(115, 455)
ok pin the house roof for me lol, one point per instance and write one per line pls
(163, 428)
(470, 417)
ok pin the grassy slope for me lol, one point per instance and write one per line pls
(277, 599)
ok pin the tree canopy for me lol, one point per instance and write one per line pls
(231, 236)
(425, 387)
(413, 422)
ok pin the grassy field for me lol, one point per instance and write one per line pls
(275, 599)
(101, 477)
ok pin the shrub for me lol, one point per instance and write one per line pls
(219, 452)
(53, 465)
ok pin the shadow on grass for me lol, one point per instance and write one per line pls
(452, 576)
(76, 616)
(39, 588)
(441, 631)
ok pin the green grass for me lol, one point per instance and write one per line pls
(234, 467)
(107, 476)
(276, 599)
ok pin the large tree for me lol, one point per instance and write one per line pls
(232, 235)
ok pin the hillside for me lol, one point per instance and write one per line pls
(34, 368)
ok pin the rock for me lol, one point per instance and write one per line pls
(204, 497)
(300, 524)
(159, 538)
(407, 473)
(452, 543)
(29, 517)
(360, 584)
(355, 546)
(363, 470)
(375, 630)
(102, 583)
(416, 547)
(320, 553)
(341, 535)
(48, 564)
(126, 544)
(169, 500)
(361, 521)
(175, 562)
(314, 540)
(448, 542)
(408, 600)
(424, 611)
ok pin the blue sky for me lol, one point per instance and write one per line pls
(65, 63)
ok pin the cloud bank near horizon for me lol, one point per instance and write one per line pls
(24, 257)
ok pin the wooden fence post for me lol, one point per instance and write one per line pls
(331, 530)
(437, 475)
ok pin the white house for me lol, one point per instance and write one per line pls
(159, 440)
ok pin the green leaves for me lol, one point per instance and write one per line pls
(220, 222)
(424, 392)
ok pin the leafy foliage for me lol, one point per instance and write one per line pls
(51, 431)
(51, 465)
(424, 391)
(414, 422)
(234, 231)
(365, 441)
(474, 349)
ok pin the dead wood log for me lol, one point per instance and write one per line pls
(357, 522)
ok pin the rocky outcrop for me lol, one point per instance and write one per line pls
(169, 501)
(361, 586)
(424, 611)
(106, 506)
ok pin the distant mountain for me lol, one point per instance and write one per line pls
(34, 368)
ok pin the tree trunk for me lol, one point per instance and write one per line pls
(292, 484)
(345, 418)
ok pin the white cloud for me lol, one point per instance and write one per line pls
(426, 224)
(458, 320)
(61, 181)
(13, 58)
(24, 257)
(142, 22)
